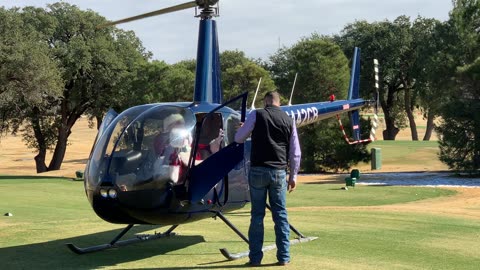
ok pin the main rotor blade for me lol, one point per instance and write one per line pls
(153, 13)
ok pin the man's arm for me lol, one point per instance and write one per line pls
(246, 129)
(295, 155)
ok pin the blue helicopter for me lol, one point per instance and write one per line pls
(173, 163)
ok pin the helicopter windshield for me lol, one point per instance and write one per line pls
(147, 152)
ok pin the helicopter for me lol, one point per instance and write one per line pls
(128, 180)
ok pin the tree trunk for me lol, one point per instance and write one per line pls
(99, 121)
(68, 120)
(411, 117)
(391, 132)
(60, 149)
(430, 125)
(40, 161)
(41, 142)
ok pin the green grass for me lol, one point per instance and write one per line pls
(421, 154)
(47, 213)
(317, 194)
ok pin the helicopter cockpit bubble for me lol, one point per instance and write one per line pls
(135, 142)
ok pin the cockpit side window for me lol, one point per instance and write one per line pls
(211, 136)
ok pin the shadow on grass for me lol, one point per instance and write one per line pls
(240, 265)
(31, 177)
(56, 255)
(324, 182)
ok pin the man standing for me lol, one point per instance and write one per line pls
(274, 144)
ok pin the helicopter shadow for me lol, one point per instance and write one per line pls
(31, 177)
(55, 254)
(324, 182)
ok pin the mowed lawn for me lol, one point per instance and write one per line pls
(48, 213)
(401, 156)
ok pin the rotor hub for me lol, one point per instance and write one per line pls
(209, 8)
(206, 3)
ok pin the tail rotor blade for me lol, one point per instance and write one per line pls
(153, 13)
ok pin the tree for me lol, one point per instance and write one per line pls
(460, 129)
(29, 81)
(322, 70)
(390, 43)
(435, 65)
(240, 74)
(180, 82)
(92, 64)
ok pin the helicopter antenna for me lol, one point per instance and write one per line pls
(293, 88)
(256, 92)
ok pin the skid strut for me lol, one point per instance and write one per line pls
(115, 243)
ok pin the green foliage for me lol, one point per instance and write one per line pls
(29, 77)
(144, 85)
(324, 149)
(321, 66)
(67, 66)
(436, 47)
(460, 128)
(322, 70)
(460, 140)
(465, 18)
(240, 74)
(158, 81)
(392, 44)
(180, 82)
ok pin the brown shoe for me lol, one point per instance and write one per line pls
(283, 263)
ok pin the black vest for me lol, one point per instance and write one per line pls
(271, 138)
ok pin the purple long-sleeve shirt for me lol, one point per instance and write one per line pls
(294, 155)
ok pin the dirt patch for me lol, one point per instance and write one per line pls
(17, 159)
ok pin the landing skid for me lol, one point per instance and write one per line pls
(234, 256)
(115, 243)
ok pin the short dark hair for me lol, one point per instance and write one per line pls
(272, 96)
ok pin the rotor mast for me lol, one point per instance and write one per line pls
(208, 86)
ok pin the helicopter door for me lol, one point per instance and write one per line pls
(204, 176)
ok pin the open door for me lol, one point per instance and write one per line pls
(204, 176)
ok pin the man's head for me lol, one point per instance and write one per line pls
(272, 98)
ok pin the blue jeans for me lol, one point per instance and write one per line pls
(265, 180)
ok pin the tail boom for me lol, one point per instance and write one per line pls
(305, 114)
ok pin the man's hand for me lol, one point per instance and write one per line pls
(291, 186)
(239, 125)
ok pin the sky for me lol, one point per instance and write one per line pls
(258, 28)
